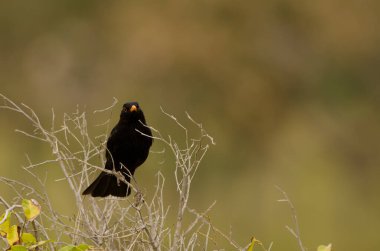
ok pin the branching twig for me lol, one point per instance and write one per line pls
(112, 223)
(7, 212)
(295, 232)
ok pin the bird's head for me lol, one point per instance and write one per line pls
(132, 111)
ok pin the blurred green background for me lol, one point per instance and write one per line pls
(289, 90)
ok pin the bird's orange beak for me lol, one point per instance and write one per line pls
(133, 108)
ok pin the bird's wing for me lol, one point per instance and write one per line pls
(112, 144)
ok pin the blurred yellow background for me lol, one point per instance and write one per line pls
(288, 89)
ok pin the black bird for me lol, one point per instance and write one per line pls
(127, 149)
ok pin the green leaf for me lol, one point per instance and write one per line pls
(13, 235)
(31, 209)
(18, 248)
(325, 248)
(67, 248)
(40, 243)
(81, 247)
(28, 239)
(253, 242)
(4, 227)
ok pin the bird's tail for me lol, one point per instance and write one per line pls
(107, 184)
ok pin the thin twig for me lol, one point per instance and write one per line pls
(7, 212)
(296, 233)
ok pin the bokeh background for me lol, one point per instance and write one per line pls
(289, 90)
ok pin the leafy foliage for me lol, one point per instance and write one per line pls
(325, 248)
(17, 235)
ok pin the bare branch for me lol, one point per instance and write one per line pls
(296, 232)
(7, 212)
(139, 223)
